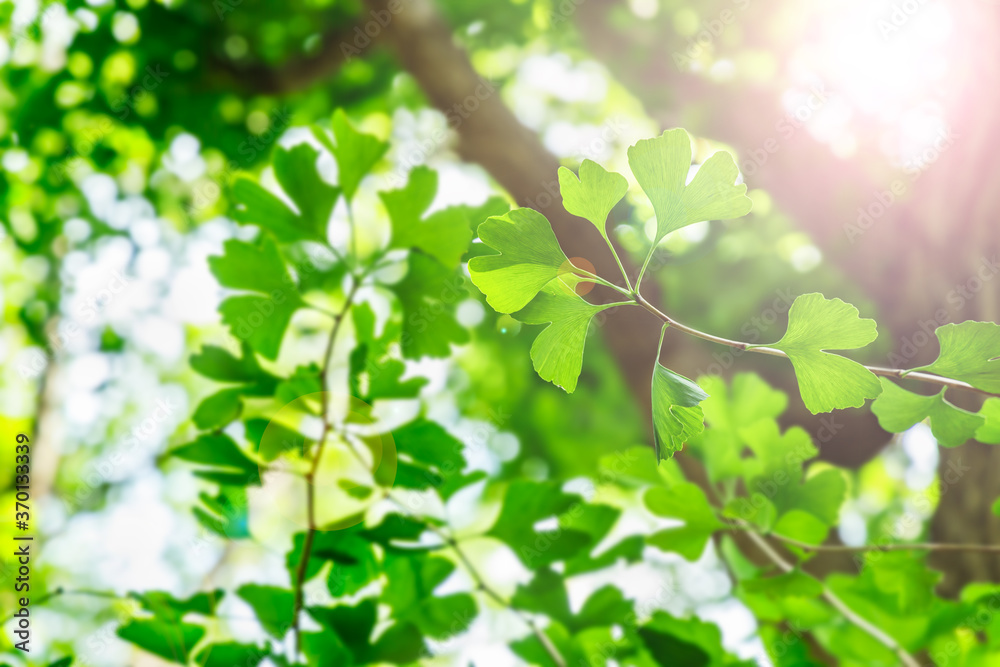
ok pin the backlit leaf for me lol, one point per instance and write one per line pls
(970, 352)
(530, 257)
(557, 352)
(661, 166)
(828, 381)
(593, 194)
(898, 409)
(677, 414)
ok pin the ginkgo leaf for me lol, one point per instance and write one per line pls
(444, 235)
(313, 198)
(989, 432)
(661, 166)
(828, 381)
(256, 267)
(530, 257)
(593, 194)
(688, 503)
(677, 415)
(170, 641)
(898, 409)
(355, 152)
(970, 352)
(557, 352)
(428, 295)
(262, 317)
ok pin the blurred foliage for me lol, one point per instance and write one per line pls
(452, 489)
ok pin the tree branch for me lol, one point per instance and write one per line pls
(310, 477)
(860, 622)
(749, 347)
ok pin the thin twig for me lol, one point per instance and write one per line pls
(896, 546)
(774, 352)
(59, 591)
(858, 621)
(310, 477)
(546, 643)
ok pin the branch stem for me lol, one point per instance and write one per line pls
(896, 546)
(621, 267)
(899, 373)
(543, 639)
(858, 621)
(310, 477)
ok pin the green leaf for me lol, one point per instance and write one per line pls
(789, 584)
(219, 451)
(260, 321)
(254, 267)
(355, 152)
(226, 513)
(596, 522)
(219, 409)
(353, 625)
(688, 503)
(828, 381)
(296, 172)
(661, 166)
(898, 409)
(530, 257)
(170, 609)
(228, 654)
(746, 399)
(444, 235)
(989, 432)
(822, 495)
(219, 364)
(544, 594)
(970, 352)
(411, 596)
(802, 526)
(434, 454)
(170, 641)
(670, 651)
(401, 644)
(593, 194)
(557, 352)
(527, 503)
(354, 561)
(428, 295)
(374, 373)
(326, 649)
(274, 607)
(677, 415)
